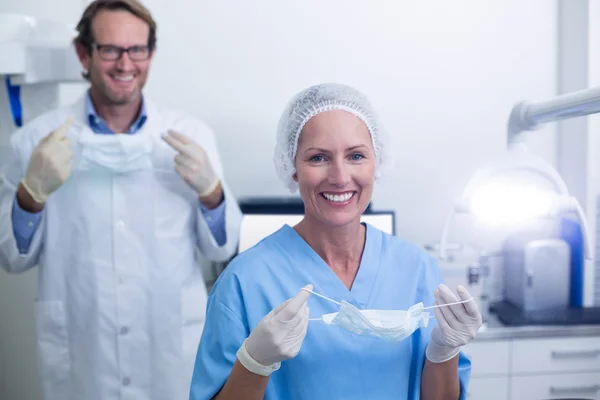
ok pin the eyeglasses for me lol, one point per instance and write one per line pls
(109, 52)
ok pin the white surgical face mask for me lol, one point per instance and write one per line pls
(120, 153)
(391, 325)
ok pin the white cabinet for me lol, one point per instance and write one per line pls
(488, 389)
(556, 355)
(536, 369)
(488, 358)
(567, 386)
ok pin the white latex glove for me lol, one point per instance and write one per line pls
(457, 324)
(277, 337)
(192, 163)
(49, 165)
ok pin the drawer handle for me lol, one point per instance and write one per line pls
(575, 389)
(576, 354)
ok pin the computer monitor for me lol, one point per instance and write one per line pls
(256, 227)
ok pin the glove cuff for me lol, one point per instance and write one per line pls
(252, 365)
(439, 354)
(38, 198)
(210, 189)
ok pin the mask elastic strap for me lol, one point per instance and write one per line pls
(339, 304)
(444, 305)
(323, 297)
(425, 308)
(320, 295)
(448, 304)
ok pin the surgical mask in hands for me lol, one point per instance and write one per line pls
(390, 325)
(49, 166)
(457, 324)
(192, 163)
(277, 337)
(118, 153)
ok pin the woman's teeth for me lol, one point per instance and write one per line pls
(338, 198)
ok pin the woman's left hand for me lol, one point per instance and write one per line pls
(457, 324)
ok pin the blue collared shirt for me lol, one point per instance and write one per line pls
(98, 125)
(25, 223)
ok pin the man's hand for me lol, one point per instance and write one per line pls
(49, 166)
(192, 164)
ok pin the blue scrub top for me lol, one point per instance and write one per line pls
(332, 363)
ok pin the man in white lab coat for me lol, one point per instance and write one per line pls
(111, 197)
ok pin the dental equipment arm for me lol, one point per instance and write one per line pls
(529, 115)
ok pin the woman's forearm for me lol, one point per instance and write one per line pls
(440, 381)
(243, 384)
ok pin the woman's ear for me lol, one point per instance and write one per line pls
(295, 177)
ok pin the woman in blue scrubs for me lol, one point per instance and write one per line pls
(264, 336)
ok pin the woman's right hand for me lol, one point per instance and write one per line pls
(279, 335)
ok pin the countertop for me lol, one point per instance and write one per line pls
(495, 330)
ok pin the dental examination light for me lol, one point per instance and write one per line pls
(521, 186)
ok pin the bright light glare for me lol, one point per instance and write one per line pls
(501, 204)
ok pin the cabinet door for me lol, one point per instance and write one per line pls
(488, 357)
(563, 386)
(556, 355)
(488, 389)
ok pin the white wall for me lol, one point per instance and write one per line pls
(594, 128)
(578, 142)
(444, 76)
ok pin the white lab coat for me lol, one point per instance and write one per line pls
(121, 298)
